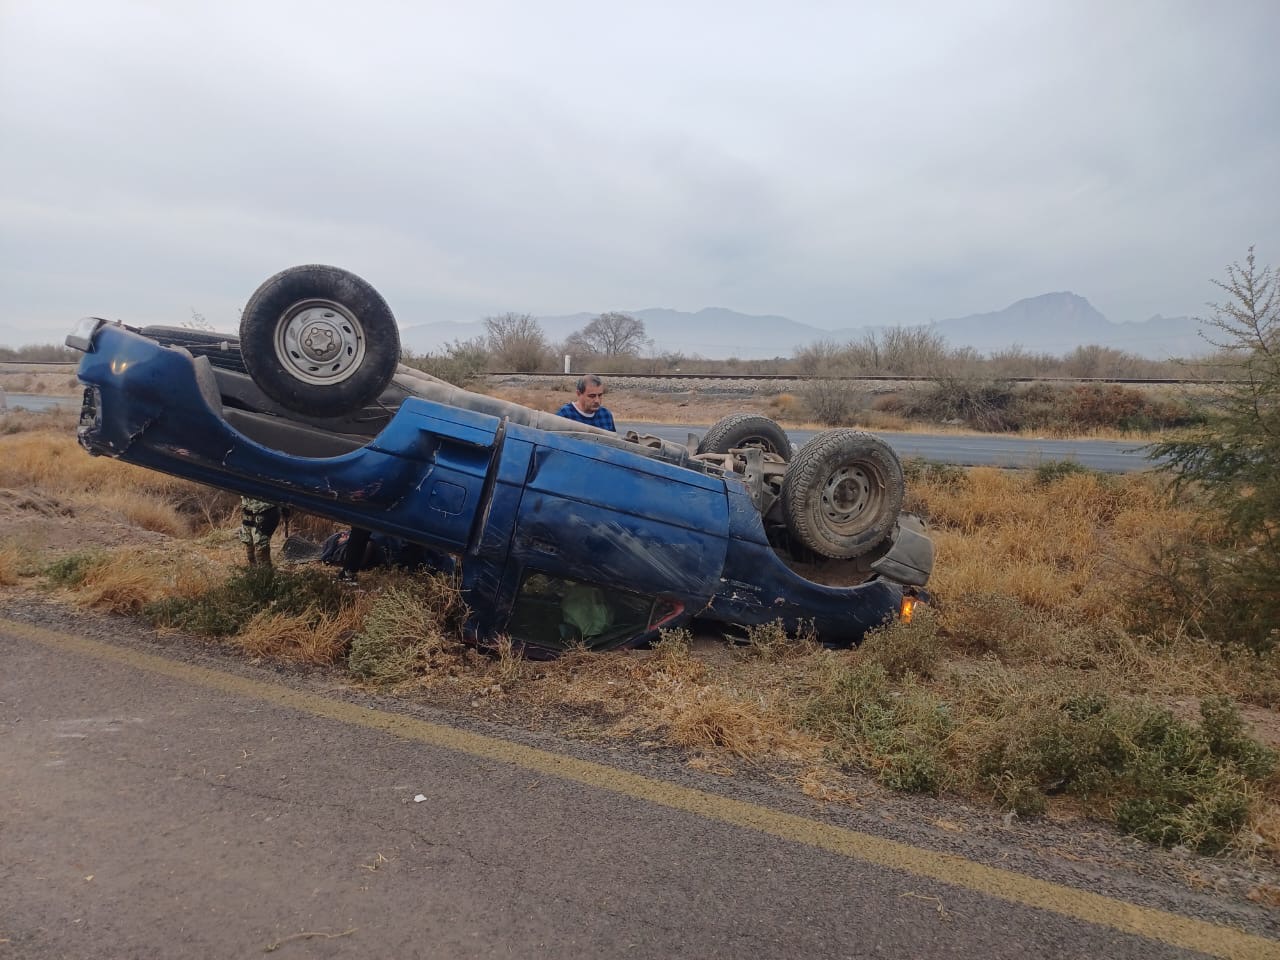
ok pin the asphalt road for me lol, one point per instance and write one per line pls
(36, 402)
(159, 801)
(1110, 456)
(969, 450)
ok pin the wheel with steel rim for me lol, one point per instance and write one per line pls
(842, 493)
(319, 340)
(746, 430)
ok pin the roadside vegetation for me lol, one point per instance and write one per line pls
(857, 383)
(1047, 678)
(1097, 646)
(39, 353)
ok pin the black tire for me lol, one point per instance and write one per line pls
(842, 493)
(746, 430)
(319, 340)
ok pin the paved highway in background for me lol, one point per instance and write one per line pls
(969, 450)
(965, 450)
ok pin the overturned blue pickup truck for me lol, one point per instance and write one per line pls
(563, 535)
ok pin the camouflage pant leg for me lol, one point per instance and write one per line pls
(258, 521)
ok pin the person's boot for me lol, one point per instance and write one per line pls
(264, 554)
(250, 557)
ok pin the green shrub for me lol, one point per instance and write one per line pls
(1052, 471)
(1231, 460)
(1208, 824)
(461, 362)
(906, 649)
(1166, 780)
(915, 769)
(1225, 736)
(228, 607)
(70, 571)
(899, 733)
(411, 626)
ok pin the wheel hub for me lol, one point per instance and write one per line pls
(320, 342)
(846, 495)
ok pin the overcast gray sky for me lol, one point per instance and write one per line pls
(836, 163)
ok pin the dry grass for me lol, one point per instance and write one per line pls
(11, 563)
(59, 383)
(53, 464)
(1073, 547)
(128, 579)
(146, 512)
(713, 718)
(313, 636)
(736, 708)
(1048, 573)
(1035, 612)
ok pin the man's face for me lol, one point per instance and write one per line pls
(589, 400)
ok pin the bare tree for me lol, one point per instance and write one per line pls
(914, 351)
(516, 341)
(610, 335)
(818, 357)
(198, 321)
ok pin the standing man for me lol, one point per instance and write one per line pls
(588, 406)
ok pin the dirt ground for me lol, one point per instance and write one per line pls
(56, 527)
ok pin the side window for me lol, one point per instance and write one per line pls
(554, 612)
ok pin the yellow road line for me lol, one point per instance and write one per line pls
(1211, 939)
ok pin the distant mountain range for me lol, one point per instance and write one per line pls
(1053, 323)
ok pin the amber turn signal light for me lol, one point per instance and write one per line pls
(908, 607)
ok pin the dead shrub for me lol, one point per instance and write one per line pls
(981, 623)
(771, 642)
(819, 358)
(1089, 406)
(714, 718)
(47, 422)
(786, 406)
(672, 658)
(11, 563)
(982, 405)
(509, 667)
(314, 636)
(55, 465)
(834, 403)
